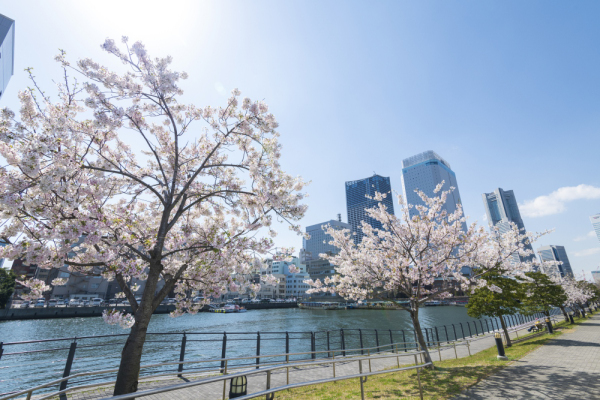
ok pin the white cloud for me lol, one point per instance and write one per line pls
(484, 217)
(555, 202)
(587, 252)
(590, 234)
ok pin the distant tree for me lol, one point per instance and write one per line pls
(542, 294)
(502, 296)
(7, 286)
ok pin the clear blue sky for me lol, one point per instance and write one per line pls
(508, 92)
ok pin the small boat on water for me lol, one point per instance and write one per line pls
(229, 308)
(318, 305)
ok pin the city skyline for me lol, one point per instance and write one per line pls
(501, 209)
(481, 84)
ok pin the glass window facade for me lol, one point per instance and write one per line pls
(7, 51)
(556, 253)
(357, 202)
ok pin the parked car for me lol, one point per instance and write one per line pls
(65, 302)
(74, 303)
(52, 303)
(280, 300)
(197, 299)
(40, 303)
(85, 303)
(25, 304)
(97, 302)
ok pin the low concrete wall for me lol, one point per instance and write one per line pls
(74, 312)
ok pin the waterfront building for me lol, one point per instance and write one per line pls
(22, 272)
(501, 209)
(357, 202)
(7, 51)
(595, 219)
(318, 242)
(424, 172)
(295, 286)
(556, 253)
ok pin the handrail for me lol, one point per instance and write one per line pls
(215, 360)
(258, 371)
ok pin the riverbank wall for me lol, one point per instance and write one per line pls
(12, 314)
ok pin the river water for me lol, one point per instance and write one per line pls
(204, 338)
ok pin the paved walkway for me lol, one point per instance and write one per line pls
(567, 367)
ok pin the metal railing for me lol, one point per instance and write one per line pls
(226, 365)
(84, 352)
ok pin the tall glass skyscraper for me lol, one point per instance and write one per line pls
(595, 219)
(357, 203)
(425, 171)
(7, 51)
(556, 253)
(501, 208)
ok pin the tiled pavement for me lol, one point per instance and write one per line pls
(567, 367)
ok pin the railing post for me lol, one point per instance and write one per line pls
(182, 354)
(257, 349)
(462, 330)
(404, 340)
(362, 347)
(313, 345)
(67, 372)
(486, 325)
(392, 342)
(223, 351)
(447, 338)
(437, 335)
(1, 349)
(343, 342)
(377, 340)
(481, 324)
(427, 336)
(454, 329)
(328, 347)
(470, 333)
(287, 343)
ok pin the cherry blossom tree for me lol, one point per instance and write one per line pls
(118, 178)
(420, 257)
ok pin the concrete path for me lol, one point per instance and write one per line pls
(567, 367)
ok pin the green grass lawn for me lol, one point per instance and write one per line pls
(449, 378)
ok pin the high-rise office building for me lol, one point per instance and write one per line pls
(595, 219)
(425, 171)
(318, 243)
(502, 209)
(556, 253)
(357, 203)
(7, 51)
(319, 240)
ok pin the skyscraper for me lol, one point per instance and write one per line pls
(596, 224)
(357, 203)
(319, 240)
(319, 268)
(7, 51)
(425, 171)
(556, 253)
(502, 209)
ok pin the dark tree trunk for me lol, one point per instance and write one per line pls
(414, 315)
(508, 342)
(131, 356)
(564, 311)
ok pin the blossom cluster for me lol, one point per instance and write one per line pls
(115, 317)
